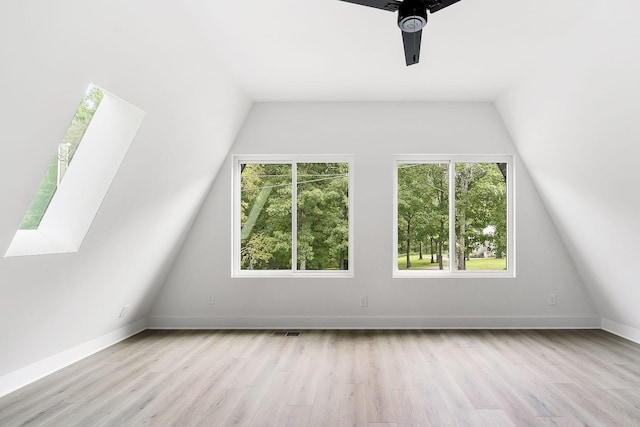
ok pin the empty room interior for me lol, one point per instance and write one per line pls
(320, 213)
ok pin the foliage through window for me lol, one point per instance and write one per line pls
(61, 161)
(453, 215)
(292, 217)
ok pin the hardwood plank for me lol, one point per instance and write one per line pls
(273, 403)
(326, 405)
(631, 395)
(600, 405)
(352, 406)
(334, 378)
(218, 406)
(305, 367)
(495, 418)
(297, 415)
(421, 408)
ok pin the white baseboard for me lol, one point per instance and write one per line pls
(624, 331)
(373, 322)
(20, 378)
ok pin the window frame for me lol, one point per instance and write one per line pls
(78, 198)
(452, 159)
(293, 160)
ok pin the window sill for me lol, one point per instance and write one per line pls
(37, 242)
(270, 274)
(417, 274)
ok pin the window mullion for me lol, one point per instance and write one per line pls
(294, 216)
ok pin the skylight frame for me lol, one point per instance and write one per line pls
(77, 200)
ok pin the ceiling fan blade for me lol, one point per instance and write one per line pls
(436, 5)
(390, 5)
(412, 46)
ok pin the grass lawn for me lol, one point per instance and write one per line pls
(472, 264)
(419, 264)
(487, 264)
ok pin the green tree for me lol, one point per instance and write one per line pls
(410, 203)
(480, 209)
(422, 209)
(265, 216)
(322, 216)
(437, 208)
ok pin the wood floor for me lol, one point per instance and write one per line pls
(342, 378)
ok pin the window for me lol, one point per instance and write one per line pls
(61, 161)
(453, 216)
(78, 178)
(292, 216)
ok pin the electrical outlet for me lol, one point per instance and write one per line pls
(364, 301)
(123, 312)
(212, 300)
(553, 300)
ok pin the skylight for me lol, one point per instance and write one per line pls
(61, 161)
(79, 176)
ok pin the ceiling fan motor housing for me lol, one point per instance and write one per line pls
(412, 16)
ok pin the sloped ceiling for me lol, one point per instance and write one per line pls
(144, 52)
(575, 121)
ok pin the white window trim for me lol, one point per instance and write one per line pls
(510, 272)
(291, 159)
(75, 204)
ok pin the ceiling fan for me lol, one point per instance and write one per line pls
(412, 17)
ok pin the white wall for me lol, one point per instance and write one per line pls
(373, 132)
(143, 52)
(575, 122)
